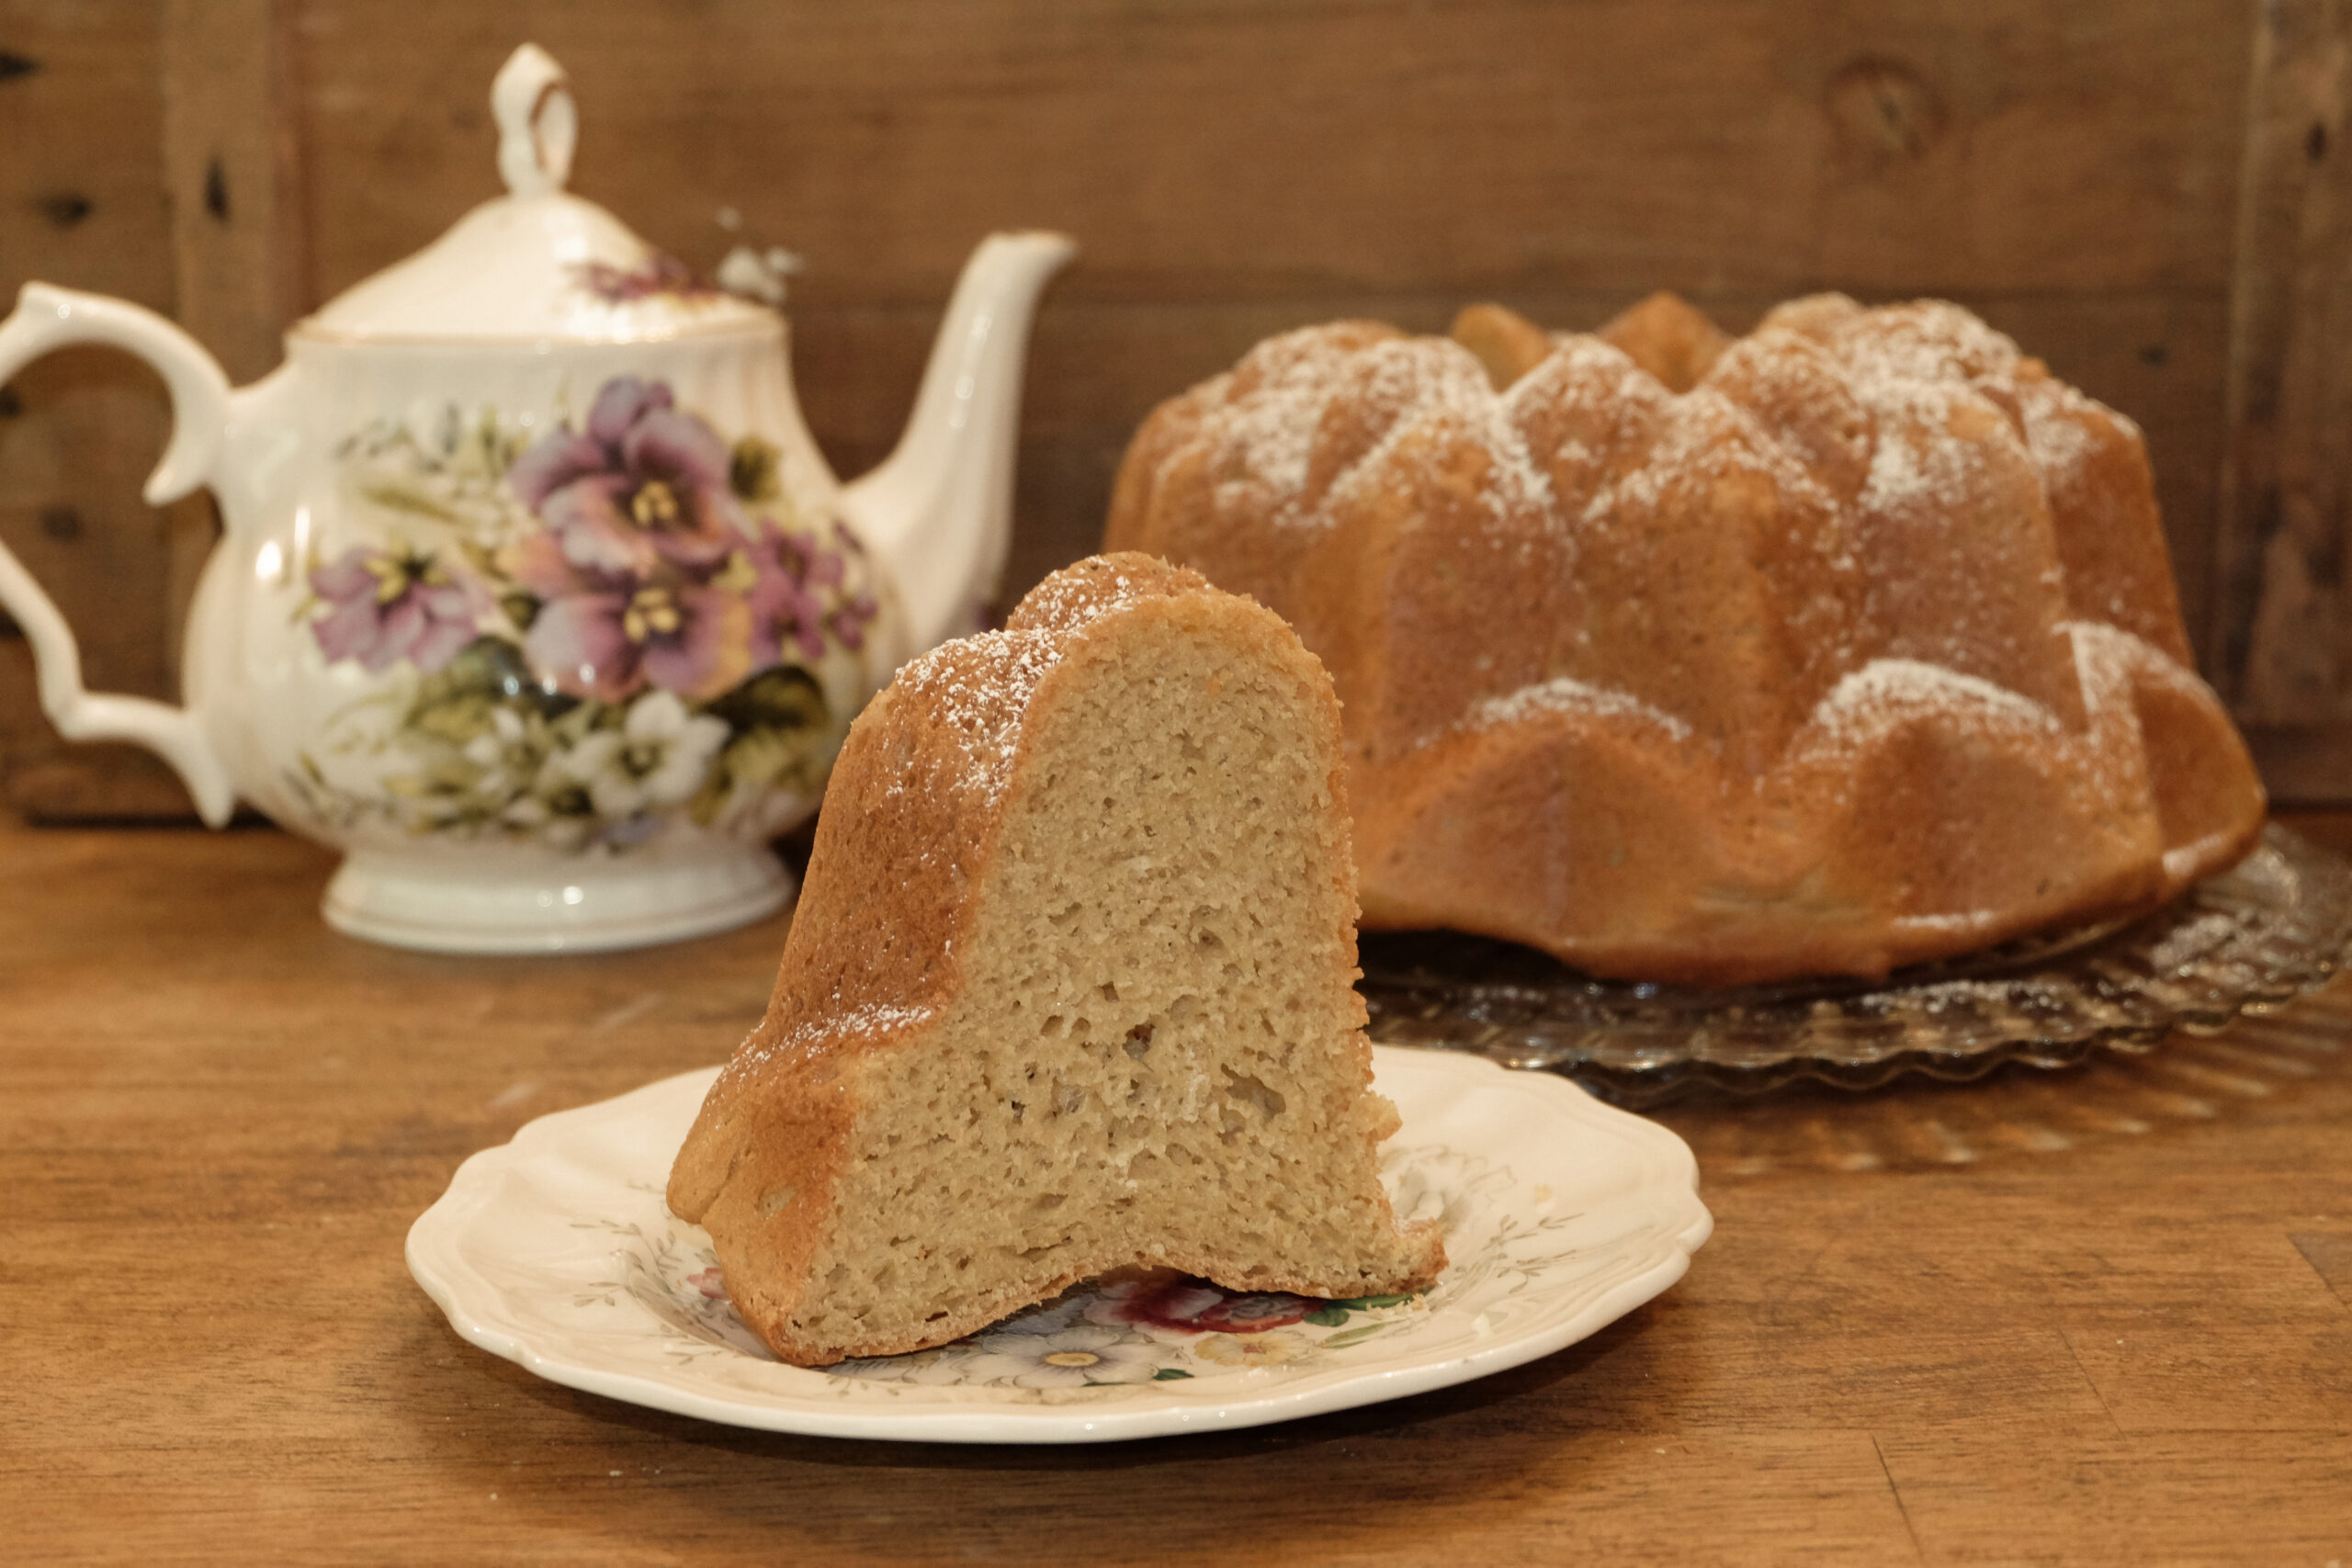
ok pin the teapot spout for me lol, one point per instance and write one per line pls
(938, 511)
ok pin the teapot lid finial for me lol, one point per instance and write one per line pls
(537, 264)
(531, 100)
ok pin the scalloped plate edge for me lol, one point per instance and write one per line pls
(1666, 1163)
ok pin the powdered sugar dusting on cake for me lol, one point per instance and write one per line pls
(2108, 660)
(1257, 423)
(1273, 427)
(1435, 390)
(2112, 665)
(2063, 428)
(975, 692)
(1927, 340)
(1757, 447)
(2060, 445)
(1916, 369)
(1918, 459)
(1957, 419)
(1901, 472)
(1257, 428)
(1077, 596)
(870, 1022)
(2105, 658)
(1567, 694)
(978, 691)
(1595, 362)
(1609, 404)
(1888, 691)
(1913, 366)
(1705, 437)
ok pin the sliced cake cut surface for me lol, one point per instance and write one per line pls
(1070, 988)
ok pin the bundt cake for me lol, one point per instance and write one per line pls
(1069, 989)
(1847, 644)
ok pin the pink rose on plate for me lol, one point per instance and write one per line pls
(387, 605)
(1168, 1300)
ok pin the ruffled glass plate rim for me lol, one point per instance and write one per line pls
(1562, 1214)
(2249, 940)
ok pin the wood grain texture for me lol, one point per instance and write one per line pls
(2091, 1317)
(2279, 646)
(1231, 171)
(2283, 509)
(232, 171)
(84, 187)
(1325, 146)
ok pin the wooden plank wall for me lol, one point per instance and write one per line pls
(2281, 646)
(1231, 170)
(83, 193)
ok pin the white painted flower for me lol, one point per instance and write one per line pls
(432, 426)
(1068, 1358)
(657, 758)
(504, 755)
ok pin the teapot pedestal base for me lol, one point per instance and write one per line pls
(478, 904)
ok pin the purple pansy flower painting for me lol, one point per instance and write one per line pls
(797, 600)
(610, 634)
(642, 485)
(629, 583)
(386, 606)
(655, 277)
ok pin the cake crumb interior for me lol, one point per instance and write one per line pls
(1152, 1059)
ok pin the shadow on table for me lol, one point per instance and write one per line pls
(1234, 1495)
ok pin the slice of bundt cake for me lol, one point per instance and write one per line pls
(1070, 988)
(1843, 645)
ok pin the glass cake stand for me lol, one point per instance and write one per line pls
(2276, 925)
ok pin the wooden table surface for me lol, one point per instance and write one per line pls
(2097, 1316)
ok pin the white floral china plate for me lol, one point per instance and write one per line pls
(1561, 1214)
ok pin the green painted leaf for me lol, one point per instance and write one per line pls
(750, 470)
(784, 698)
(1169, 1374)
(1353, 1336)
(394, 496)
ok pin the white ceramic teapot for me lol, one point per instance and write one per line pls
(535, 596)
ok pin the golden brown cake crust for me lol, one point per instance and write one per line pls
(893, 916)
(1655, 648)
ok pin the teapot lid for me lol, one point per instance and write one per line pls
(536, 265)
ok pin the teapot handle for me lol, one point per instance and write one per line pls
(47, 318)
